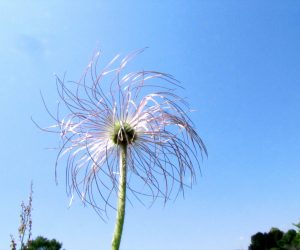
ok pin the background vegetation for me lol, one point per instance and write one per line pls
(276, 239)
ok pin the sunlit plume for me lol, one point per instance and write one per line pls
(108, 109)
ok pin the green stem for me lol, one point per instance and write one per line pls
(122, 199)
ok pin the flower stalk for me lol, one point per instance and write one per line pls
(121, 199)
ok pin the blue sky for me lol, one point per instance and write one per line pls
(239, 62)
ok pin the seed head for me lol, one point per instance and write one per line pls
(108, 109)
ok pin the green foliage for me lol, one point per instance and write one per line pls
(276, 239)
(257, 241)
(288, 238)
(41, 243)
(24, 232)
(297, 238)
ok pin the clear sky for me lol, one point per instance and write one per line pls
(239, 62)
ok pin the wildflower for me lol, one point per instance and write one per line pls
(125, 131)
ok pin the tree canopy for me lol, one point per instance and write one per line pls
(41, 243)
(276, 239)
